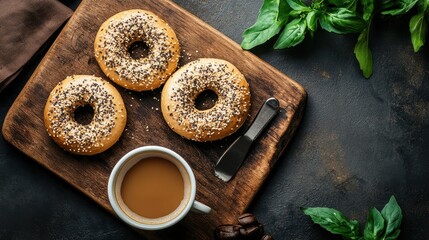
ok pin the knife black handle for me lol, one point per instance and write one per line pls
(232, 158)
(264, 116)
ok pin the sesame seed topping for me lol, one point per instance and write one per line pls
(142, 73)
(66, 98)
(229, 112)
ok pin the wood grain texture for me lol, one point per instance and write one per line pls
(72, 53)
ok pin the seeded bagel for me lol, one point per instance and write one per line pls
(224, 118)
(115, 37)
(106, 126)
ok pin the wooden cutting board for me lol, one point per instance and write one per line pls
(72, 53)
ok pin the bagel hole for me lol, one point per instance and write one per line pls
(84, 114)
(206, 100)
(138, 50)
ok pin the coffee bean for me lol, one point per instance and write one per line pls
(247, 219)
(267, 237)
(227, 232)
(252, 233)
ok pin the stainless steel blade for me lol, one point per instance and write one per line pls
(233, 157)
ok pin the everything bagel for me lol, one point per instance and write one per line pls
(115, 37)
(106, 126)
(224, 118)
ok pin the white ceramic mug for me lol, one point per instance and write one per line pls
(139, 222)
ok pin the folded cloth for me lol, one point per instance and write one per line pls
(24, 26)
(9, 79)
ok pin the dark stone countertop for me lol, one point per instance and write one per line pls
(360, 141)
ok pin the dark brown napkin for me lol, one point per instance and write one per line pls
(24, 26)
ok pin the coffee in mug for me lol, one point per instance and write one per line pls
(153, 188)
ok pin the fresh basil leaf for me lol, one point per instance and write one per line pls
(392, 215)
(349, 4)
(298, 5)
(363, 53)
(368, 9)
(352, 6)
(312, 20)
(342, 21)
(283, 13)
(334, 221)
(296, 13)
(425, 5)
(418, 30)
(273, 15)
(374, 228)
(397, 7)
(292, 35)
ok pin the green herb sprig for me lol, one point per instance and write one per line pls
(382, 225)
(292, 20)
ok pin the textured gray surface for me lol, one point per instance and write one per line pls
(359, 142)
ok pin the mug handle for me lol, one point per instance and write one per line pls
(200, 207)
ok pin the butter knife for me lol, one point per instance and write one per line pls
(233, 157)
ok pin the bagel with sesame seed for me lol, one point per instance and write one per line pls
(224, 118)
(107, 123)
(119, 32)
